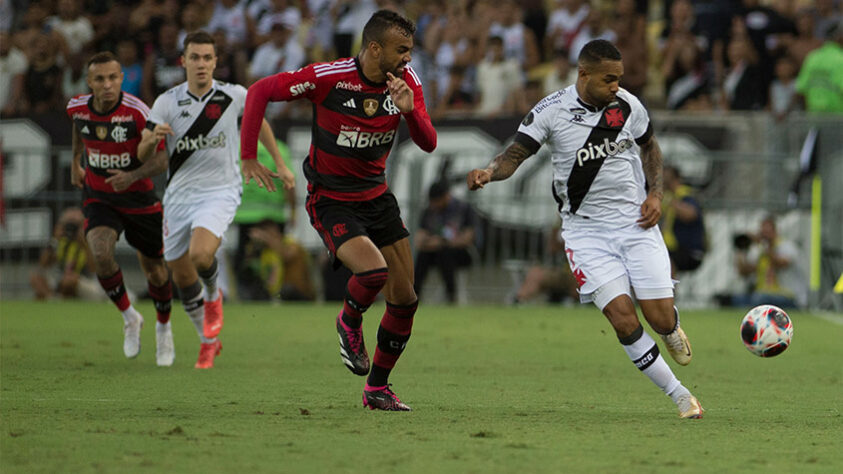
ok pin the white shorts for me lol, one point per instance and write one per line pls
(636, 256)
(213, 212)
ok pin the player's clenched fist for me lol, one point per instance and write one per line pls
(476, 178)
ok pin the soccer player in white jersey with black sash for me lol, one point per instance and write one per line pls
(198, 120)
(607, 180)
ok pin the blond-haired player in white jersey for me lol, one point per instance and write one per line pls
(198, 120)
(607, 180)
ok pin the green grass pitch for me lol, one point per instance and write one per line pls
(493, 389)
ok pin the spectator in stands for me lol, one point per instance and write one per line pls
(232, 17)
(561, 76)
(743, 86)
(565, 22)
(42, 81)
(283, 12)
(499, 82)
(191, 20)
(232, 63)
(457, 100)
(631, 29)
(281, 53)
(127, 55)
(687, 82)
(764, 25)
(820, 80)
(283, 264)
(34, 25)
(75, 77)
(454, 54)
(595, 28)
(555, 280)
(682, 223)
(519, 42)
(773, 265)
(444, 239)
(826, 16)
(13, 66)
(65, 267)
(163, 69)
(798, 46)
(76, 29)
(783, 97)
(350, 17)
(259, 207)
(111, 27)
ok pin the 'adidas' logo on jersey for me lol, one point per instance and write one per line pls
(85, 130)
(350, 104)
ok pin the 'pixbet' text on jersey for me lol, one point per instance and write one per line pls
(607, 149)
(200, 143)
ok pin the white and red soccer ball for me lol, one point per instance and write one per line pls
(766, 330)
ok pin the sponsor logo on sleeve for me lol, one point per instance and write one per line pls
(301, 88)
(528, 119)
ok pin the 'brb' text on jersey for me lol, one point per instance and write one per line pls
(354, 126)
(595, 154)
(204, 150)
(111, 142)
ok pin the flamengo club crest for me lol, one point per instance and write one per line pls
(370, 106)
(102, 132)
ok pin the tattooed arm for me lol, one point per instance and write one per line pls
(502, 167)
(651, 159)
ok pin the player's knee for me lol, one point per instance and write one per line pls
(201, 259)
(157, 274)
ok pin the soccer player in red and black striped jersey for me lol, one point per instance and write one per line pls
(358, 105)
(120, 197)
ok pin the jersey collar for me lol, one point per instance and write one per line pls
(206, 95)
(107, 112)
(363, 76)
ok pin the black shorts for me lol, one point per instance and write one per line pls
(338, 221)
(143, 231)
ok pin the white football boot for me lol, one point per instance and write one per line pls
(165, 351)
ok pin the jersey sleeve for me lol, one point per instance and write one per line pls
(283, 86)
(536, 126)
(159, 112)
(639, 126)
(418, 121)
(239, 93)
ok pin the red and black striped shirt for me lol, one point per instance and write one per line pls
(354, 126)
(111, 142)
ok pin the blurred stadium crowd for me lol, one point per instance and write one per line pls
(477, 58)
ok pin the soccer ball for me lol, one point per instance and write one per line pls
(766, 330)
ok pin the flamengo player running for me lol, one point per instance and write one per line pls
(358, 104)
(198, 121)
(119, 196)
(602, 151)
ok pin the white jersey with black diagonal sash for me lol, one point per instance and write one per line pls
(597, 172)
(204, 152)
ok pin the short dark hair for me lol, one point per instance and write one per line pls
(103, 57)
(381, 22)
(199, 37)
(437, 190)
(597, 50)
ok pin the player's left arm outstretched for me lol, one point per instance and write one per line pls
(502, 167)
(652, 161)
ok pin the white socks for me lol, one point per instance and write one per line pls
(644, 353)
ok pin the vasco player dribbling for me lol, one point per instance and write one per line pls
(198, 120)
(119, 197)
(358, 105)
(603, 152)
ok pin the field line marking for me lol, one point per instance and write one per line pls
(830, 317)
